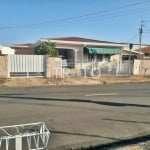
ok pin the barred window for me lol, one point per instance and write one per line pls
(99, 57)
(90, 57)
(107, 57)
(147, 54)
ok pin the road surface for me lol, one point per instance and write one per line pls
(80, 116)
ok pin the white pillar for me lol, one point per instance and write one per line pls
(75, 61)
(18, 141)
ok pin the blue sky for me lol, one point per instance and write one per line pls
(25, 21)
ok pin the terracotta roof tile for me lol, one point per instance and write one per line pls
(24, 44)
(146, 49)
(78, 39)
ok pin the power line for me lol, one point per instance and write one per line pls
(146, 32)
(74, 17)
(103, 17)
(133, 38)
(146, 21)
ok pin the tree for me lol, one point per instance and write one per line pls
(46, 48)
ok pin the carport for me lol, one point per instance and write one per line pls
(69, 57)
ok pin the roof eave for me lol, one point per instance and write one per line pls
(81, 43)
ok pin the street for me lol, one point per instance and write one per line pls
(80, 116)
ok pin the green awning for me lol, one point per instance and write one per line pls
(102, 50)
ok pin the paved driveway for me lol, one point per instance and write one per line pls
(80, 116)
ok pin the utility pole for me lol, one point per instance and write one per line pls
(140, 41)
(140, 36)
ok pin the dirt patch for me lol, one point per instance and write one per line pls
(3, 80)
(70, 81)
(131, 148)
(141, 146)
(25, 82)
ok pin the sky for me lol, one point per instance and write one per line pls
(26, 21)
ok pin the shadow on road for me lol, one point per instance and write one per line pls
(81, 134)
(114, 104)
(128, 121)
(110, 104)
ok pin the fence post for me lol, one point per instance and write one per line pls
(8, 66)
(84, 70)
(18, 141)
(117, 68)
(92, 68)
(129, 68)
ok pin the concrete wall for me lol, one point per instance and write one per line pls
(53, 67)
(141, 67)
(145, 67)
(115, 58)
(3, 66)
(136, 70)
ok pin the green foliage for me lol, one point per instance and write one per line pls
(46, 48)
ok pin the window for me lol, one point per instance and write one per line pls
(107, 57)
(90, 57)
(147, 54)
(125, 57)
(99, 57)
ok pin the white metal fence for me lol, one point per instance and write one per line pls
(26, 65)
(94, 69)
(35, 65)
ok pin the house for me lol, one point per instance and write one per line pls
(146, 52)
(129, 55)
(79, 52)
(6, 50)
(24, 49)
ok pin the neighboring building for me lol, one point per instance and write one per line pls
(6, 50)
(26, 49)
(129, 55)
(146, 52)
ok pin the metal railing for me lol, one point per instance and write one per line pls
(33, 136)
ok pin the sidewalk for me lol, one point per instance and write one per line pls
(71, 81)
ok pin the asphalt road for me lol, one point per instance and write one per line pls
(80, 116)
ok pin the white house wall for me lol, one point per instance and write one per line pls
(115, 58)
(78, 55)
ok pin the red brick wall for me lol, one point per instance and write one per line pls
(3, 66)
(24, 50)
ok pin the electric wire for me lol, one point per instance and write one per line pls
(74, 17)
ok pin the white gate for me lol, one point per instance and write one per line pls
(126, 68)
(26, 65)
